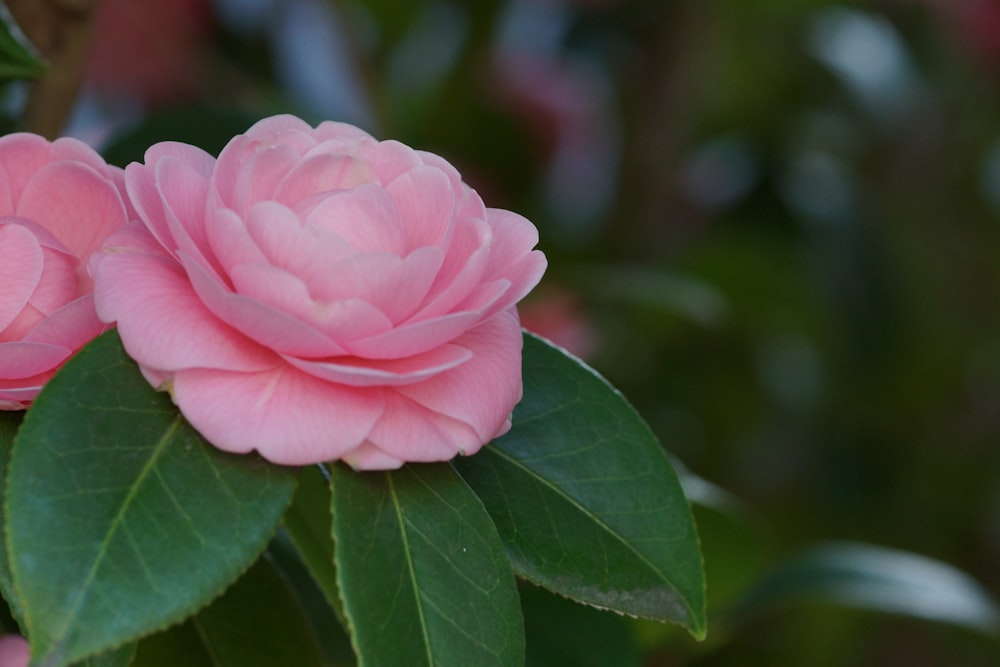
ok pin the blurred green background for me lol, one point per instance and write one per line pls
(773, 224)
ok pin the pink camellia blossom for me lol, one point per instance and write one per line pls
(14, 651)
(58, 203)
(315, 294)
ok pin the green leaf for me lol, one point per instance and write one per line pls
(119, 657)
(9, 423)
(19, 59)
(121, 519)
(256, 623)
(585, 500)
(422, 570)
(330, 631)
(308, 524)
(879, 579)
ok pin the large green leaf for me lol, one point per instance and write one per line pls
(18, 56)
(871, 577)
(585, 500)
(9, 423)
(121, 519)
(422, 571)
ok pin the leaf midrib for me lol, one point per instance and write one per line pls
(119, 518)
(597, 520)
(410, 568)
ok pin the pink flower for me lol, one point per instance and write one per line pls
(58, 202)
(14, 651)
(315, 294)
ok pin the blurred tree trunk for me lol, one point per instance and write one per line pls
(659, 83)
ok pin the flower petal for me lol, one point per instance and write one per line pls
(76, 203)
(21, 155)
(264, 324)
(384, 372)
(277, 125)
(140, 186)
(21, 264)
(289, 417)
(513, 238)
(367, 456)
(330, 129)
(391, 159)
(184, 192)
(192, 156)
(366, 217)
(19, 397)
(258, 178)
(63, 280)
(71, 326)
(393, 286)
(409, 431)
(322, 173)
(229, 241)
(301, 249)
(20, 359)
(511, 254)
(162, 322)
(483, 391)
(14, 651)
(410, 339)
(426, 202)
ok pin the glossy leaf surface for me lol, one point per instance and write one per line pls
(121, 518)
(422, 571)
(585, 499)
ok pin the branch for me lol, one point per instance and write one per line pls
(61, 31)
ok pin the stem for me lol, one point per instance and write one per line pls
(60, 29)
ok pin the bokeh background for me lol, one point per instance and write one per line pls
(773, 224)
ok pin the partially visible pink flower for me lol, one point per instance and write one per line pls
(58, 202)
(14, 651)
(315, 294)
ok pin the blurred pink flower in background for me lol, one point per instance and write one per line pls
(316, 294)
(58, 202)
(149, 51)
(14, 651)
(555, 313)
